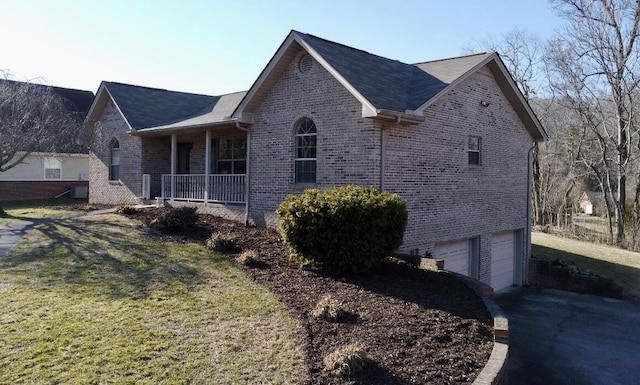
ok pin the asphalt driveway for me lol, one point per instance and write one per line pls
(558, 337)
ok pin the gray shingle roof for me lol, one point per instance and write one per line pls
(220, 112)
(387, 84)
(145, 107)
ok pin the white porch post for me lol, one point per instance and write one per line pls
(174, 158)
(207, 164)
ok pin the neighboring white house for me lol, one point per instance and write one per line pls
(39, 166)
(44, 175)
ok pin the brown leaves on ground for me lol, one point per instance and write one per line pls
(416, 326)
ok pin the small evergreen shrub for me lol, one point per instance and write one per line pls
(349, 229)
(222, 243)
(346, 361)
(328, 309)
(179, 218)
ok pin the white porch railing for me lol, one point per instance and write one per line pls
(223, 188)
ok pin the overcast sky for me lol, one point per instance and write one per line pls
(216, 47)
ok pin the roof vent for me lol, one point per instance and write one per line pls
(305, 62)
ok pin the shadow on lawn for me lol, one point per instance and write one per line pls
(75, 253)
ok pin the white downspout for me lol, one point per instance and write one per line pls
(527, 243)
(174, 157)
(382, 158)
(248, 173)
(207, 165)
(382, 153)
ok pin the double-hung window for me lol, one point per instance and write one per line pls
(305, 152)
(230, 156)
(114, 170)
(52, 168)
(473, 150)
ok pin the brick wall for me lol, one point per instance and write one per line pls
(347, 143)
(102, 190)
(43, 189)
(448, 199)
(426, 164)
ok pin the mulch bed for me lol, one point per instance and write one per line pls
(416, 326)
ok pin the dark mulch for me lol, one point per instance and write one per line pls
(417, 327)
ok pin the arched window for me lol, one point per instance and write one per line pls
(114, 169)
(305, 151)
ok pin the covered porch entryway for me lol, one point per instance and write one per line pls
(206, 164)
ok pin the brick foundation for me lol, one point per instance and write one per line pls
(44, 189)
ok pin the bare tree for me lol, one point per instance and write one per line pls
(33, 118)
(598, 57)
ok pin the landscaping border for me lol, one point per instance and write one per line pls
(495, 371)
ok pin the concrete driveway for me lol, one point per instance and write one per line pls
(558, 337)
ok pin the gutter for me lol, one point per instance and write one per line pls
(174, 129)
(382, 153)
(398, 116)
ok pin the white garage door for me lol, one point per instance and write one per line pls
(455, 256)
(502, 257)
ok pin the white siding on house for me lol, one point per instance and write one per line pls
(72, 167)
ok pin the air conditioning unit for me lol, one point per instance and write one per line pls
(79, 192)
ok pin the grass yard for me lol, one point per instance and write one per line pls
(90, 301)
(621, 265)
(36, 209)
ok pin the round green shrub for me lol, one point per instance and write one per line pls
(348, 229)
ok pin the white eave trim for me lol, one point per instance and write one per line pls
(400, 117)
(177, 129)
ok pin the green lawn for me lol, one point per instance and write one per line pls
(621, 265)
(88, 301)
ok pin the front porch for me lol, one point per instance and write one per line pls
(214, 188)
(207, 164)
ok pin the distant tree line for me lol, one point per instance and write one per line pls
(584, 85)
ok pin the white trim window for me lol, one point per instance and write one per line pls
(305, 152)
(52, 168)
(473, 150)
(230, 157)
(114, 161)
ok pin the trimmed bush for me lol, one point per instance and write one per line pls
(179, 218)
(348, 229)
(222, 243)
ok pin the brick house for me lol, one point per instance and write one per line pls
(452, 137)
